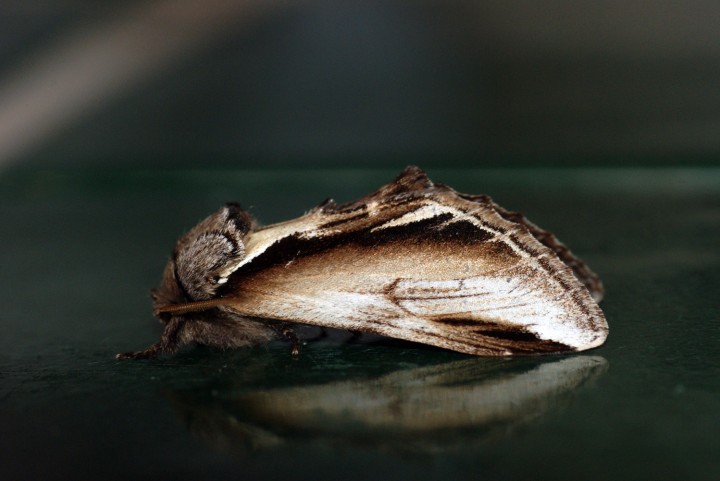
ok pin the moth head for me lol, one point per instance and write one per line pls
(205, 256)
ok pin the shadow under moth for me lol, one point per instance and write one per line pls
(414, 260)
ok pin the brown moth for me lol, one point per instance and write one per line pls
(414, 260)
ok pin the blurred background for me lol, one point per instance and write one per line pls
(262, 83)
(123, 123)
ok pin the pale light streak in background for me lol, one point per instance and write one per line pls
(362, 82)
(86, 69)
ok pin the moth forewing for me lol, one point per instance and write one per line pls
(489, 311)
(414, 261)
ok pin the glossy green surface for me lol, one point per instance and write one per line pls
(80, 251)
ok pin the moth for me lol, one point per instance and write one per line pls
(414, 260)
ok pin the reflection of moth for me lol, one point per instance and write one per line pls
(445, 407)
(414, 260)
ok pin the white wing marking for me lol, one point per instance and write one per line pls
(510, 301)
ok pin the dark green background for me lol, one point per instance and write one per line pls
(372, 84)
(81, 250)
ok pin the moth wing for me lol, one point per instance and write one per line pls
(418, 261)
(472, 298)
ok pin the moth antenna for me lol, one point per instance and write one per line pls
(190, 306)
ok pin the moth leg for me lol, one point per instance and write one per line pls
(288, 333)
(169, 343)
(149, 353)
